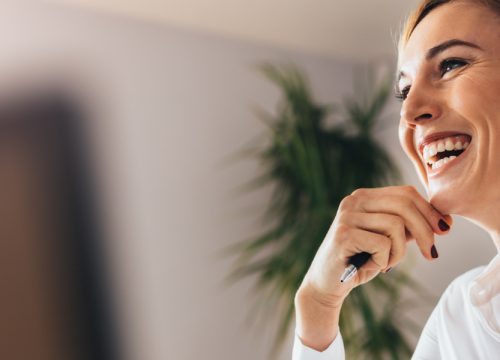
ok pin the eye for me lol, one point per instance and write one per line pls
(450, 64)
(401, 95)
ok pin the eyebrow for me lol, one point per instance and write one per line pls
(436, 50)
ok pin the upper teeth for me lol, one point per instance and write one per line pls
(459, 142)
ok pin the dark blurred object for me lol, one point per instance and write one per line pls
(53, 302)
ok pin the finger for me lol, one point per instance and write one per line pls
(447, 219)
(354, 241)
(409, 235)
(391, 226)
(439, 223)
(414, 220)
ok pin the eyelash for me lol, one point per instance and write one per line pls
(401, 95)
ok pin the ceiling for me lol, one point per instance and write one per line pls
(350, 29)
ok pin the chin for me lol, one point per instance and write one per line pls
(446, 200)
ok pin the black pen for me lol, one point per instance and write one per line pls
(355, 262)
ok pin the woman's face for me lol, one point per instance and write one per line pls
(450, 77)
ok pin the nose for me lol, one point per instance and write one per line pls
(421, 105)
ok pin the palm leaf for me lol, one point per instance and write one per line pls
(312, 168)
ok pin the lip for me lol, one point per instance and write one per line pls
(436, 136)
(457, 161)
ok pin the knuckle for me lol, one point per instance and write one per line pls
(399, 251)
(360, 191)
(349, 202)
(410, 189)
(396, 222)
(409, 203)
(381, 261)
(344, 217)
(386, 242)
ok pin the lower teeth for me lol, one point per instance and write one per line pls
(441, 162)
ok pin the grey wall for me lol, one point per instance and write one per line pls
(171, 105)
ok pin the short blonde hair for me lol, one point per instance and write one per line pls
(426, 6)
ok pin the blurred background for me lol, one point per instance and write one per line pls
(117, 119)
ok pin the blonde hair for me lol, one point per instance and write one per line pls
(426, 6)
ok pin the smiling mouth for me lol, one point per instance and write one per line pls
(445, 150)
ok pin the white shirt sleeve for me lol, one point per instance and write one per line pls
(335, 350)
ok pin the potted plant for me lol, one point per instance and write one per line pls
(313, 166)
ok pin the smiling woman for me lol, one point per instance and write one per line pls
(450, 78)
(448, 81)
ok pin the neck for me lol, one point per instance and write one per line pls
(488, 220)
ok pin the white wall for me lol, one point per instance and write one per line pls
(172, 106)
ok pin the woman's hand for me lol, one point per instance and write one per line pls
(380, 221)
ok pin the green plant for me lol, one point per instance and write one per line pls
(312, 167)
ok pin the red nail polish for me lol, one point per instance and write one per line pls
(443, 225)
(434, 252)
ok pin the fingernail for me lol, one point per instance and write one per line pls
(434, 252)
(443, 225)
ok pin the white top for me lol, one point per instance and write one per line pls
(465, 324)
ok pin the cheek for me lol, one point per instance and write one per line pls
(406, 140)
(476, 98)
